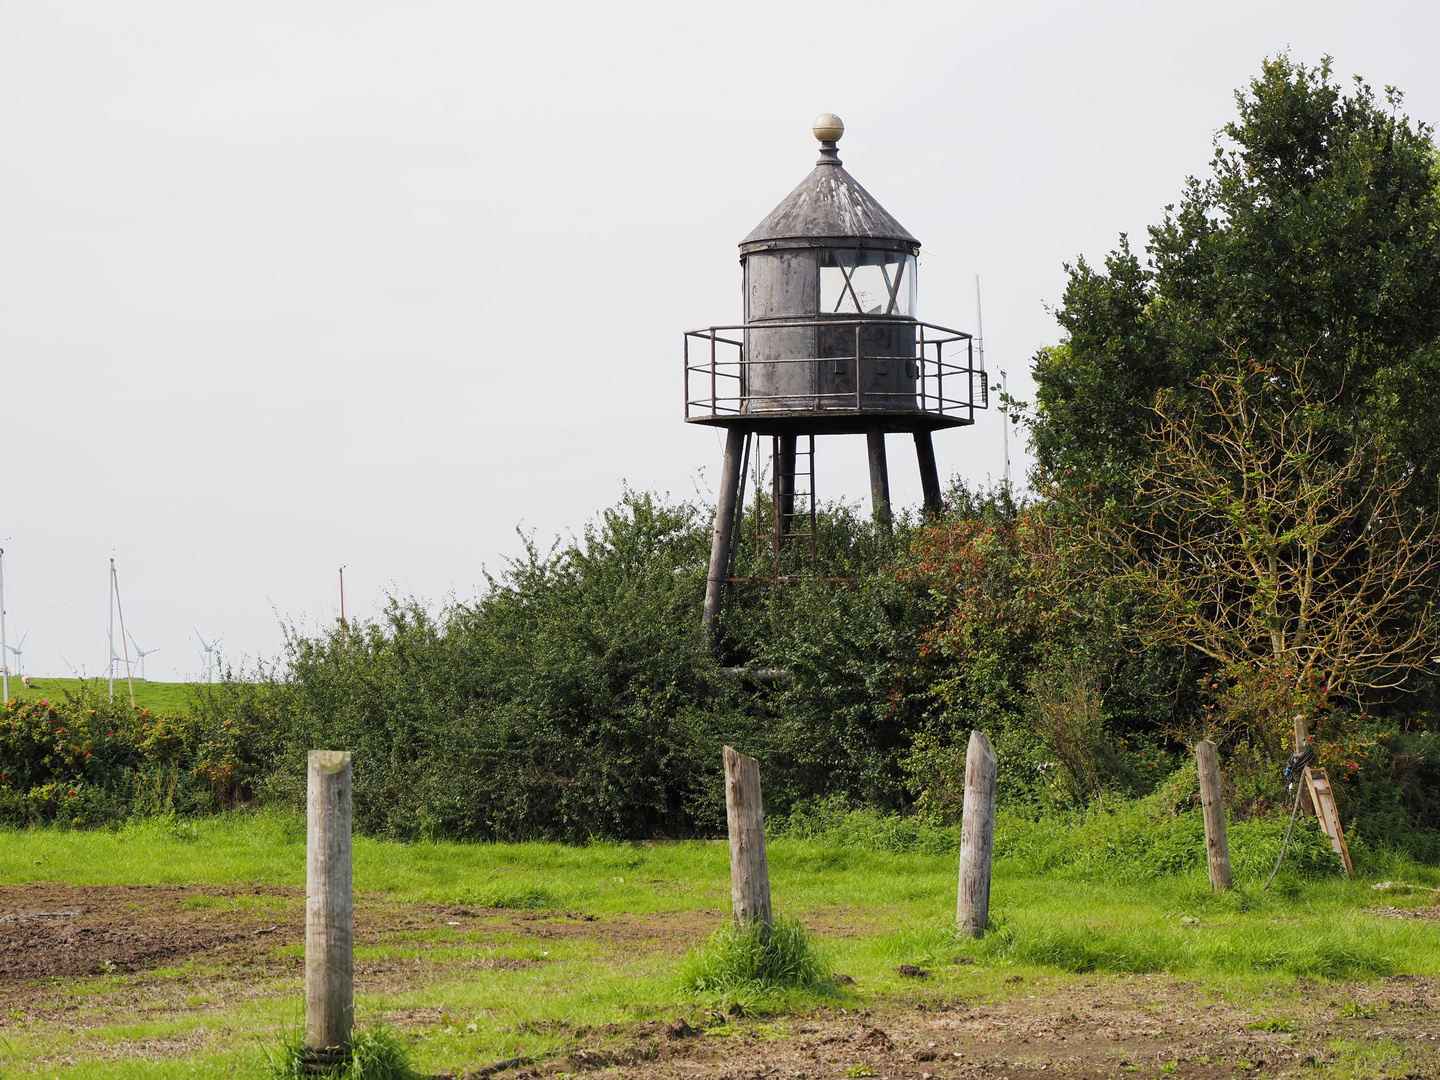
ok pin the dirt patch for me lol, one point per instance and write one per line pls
(49, 930)
(1102, 1026)
(58, 930)
(1428, 914)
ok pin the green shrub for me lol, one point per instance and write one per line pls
(831, 820)
(88, 761)
(577, 698)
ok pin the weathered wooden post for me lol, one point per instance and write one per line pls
(1302, 741)
(329, 925)
(977, 837)
(1217, 843)
(749, 874)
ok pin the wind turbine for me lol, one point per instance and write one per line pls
(209, 652)
(19, 651)
(141, 653)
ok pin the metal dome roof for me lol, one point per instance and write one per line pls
(828, 206)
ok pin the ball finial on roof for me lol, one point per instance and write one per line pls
(828, 127)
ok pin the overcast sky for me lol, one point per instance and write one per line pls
(290, 286)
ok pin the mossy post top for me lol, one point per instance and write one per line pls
(329, 761)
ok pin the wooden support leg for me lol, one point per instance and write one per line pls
(929, 473)
(744, 814)
(879, 478)
(785, 487)
(724, 523)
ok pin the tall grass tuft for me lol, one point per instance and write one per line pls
(738, 962)
(376, 1053)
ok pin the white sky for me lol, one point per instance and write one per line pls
(285, 286)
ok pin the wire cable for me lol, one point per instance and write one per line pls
(1295, 761)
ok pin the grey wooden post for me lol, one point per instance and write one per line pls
(329, 912)
(749, 874)
(1302, 740)
(977, 837)
(1217, 844)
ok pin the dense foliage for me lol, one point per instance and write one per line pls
(577, 698)
(1240, 431)
(1316, 234)
(88, 760)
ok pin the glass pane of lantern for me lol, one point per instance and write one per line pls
(867, 283)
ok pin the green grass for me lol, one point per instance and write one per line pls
(744, 963)
(160, 698)
(376, 1053)
(868, 912)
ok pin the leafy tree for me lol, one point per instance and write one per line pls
(1267, 518)
(1259, 546)
(1317, 233)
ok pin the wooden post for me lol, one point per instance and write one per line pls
(749, 874)
(329, 913)
(1217, 843)
(1302, 740)
(977, 837)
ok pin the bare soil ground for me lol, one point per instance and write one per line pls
(1099, 1026)
(60, 930)
(57, 930)
(166, 950)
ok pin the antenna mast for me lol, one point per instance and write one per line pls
(115, 586)
(4, 667)
(342, 595)
(1004, 387)
(110, 665)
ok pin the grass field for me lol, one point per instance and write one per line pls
(161, 698)
(478, 952)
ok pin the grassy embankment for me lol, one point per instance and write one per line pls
(160, 698)
(875, 911)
